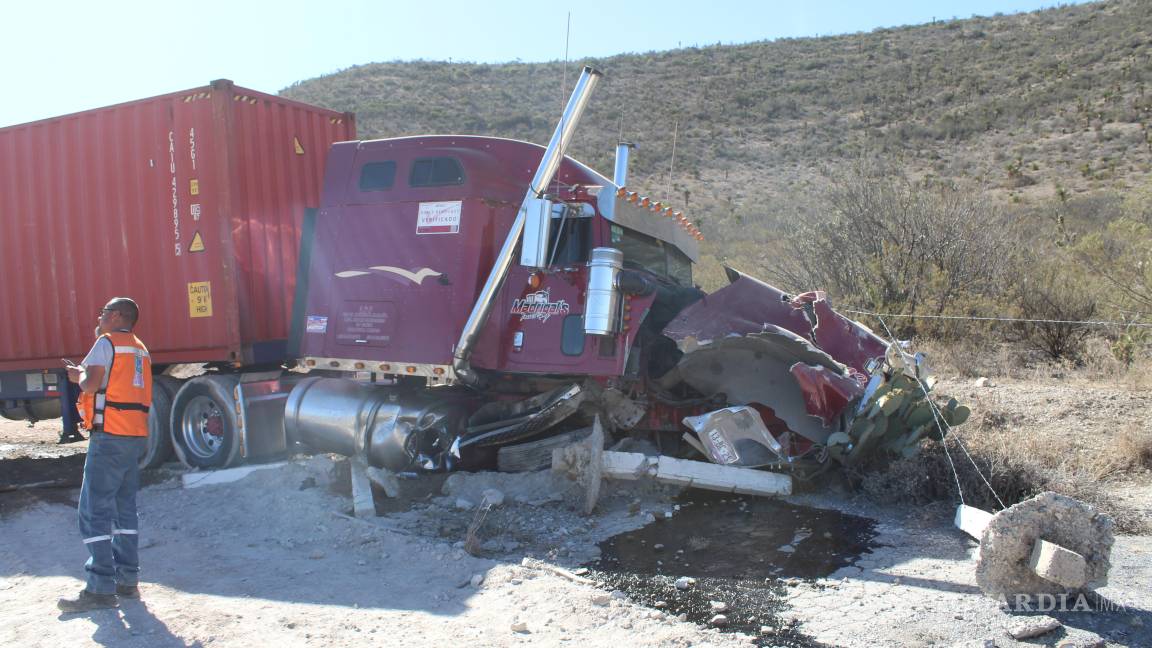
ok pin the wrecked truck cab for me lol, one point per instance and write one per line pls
(826, 385)
(486, 292)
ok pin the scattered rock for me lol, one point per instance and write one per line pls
(520, 627)
(718, 606)
(1033, 627)
(316, 555)
(493, 497)
(601, 599)
(477, 580)
(719, 621)
(983, 381)
(463, 504)
(685, 582)
(660, 605)
(619, 595)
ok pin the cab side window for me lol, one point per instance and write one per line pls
(436, 172)
(377, 176)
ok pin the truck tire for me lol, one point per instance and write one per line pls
(159, 419)
(205, 433)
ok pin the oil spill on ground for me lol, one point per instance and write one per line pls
(27, 481)
(740, 551)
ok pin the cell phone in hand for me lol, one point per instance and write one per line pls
(68, 363)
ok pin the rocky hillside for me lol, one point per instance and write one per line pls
(1025, 106)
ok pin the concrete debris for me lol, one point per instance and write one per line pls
(1007, 544)
(385, 479)
(1059, 565)
(588, 463)
(1033, 627)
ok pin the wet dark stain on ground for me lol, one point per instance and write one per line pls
(26, 481)
(741, 551)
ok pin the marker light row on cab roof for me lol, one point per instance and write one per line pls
(644, 202)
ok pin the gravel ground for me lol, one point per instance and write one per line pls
(273, 560)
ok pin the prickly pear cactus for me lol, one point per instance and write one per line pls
(894, 418)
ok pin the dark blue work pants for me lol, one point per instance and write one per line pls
(108, 520)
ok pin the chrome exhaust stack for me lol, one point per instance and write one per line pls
(620, 175)
(532, 204)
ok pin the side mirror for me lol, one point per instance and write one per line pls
(537, 232)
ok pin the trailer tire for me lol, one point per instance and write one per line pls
(159, 421)
(205, 431)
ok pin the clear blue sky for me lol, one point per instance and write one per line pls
(70, 55)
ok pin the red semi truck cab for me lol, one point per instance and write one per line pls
(409, 228)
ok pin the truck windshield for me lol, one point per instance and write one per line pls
(643, 252)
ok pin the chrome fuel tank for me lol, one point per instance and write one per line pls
(388, 427)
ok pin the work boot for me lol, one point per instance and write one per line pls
(127, 591)
(87, 601)
(70, 437)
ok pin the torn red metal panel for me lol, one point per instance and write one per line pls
(825, 393)
(748, 305)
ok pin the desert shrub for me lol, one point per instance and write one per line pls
(1121, 257)
(1055, 297)
(888, 244)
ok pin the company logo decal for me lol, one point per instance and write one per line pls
(417, 277)
(539, 306)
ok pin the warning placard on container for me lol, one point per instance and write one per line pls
(438, 218)
(200, 299)
(197, 244)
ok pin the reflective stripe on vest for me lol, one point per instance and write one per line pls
(122, 406)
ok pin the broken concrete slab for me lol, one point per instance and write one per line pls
(1003, 567)
(210, 477)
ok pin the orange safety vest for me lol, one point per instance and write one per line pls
(87, 406)
(122, 407)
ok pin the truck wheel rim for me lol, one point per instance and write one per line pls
(203, 427)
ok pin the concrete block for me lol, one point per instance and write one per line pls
(362, 503)
(1059, 565)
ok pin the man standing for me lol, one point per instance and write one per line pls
(118, 373)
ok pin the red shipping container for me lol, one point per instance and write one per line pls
(191, 203)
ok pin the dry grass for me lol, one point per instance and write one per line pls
(1017, 468)
(1021, 457)
(977, 357)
